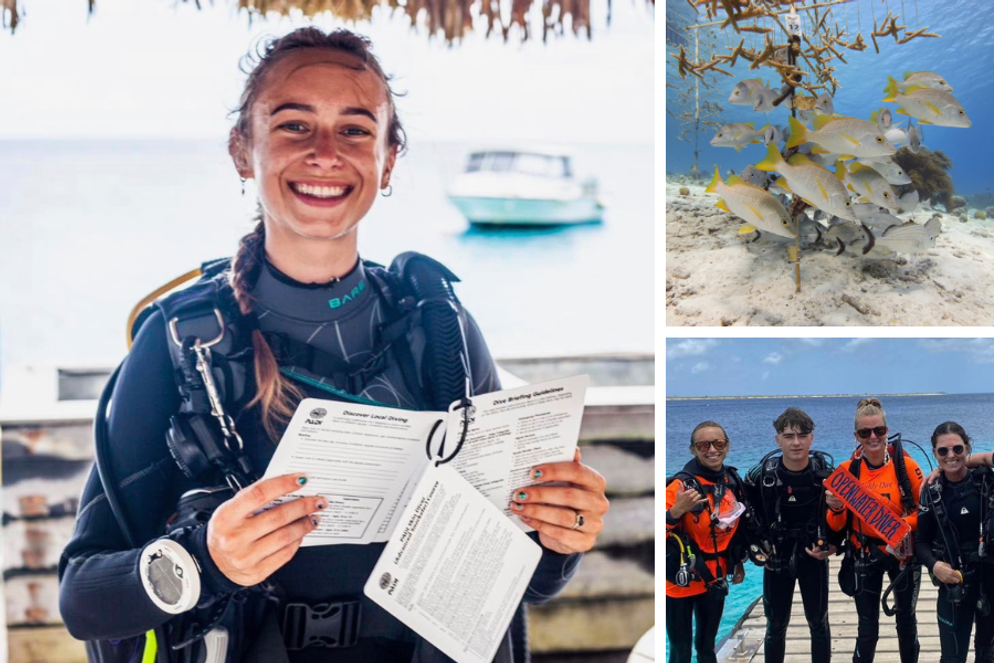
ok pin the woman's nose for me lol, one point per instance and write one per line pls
(324, 149)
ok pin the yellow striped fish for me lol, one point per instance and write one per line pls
(816, 185)
(758, 208)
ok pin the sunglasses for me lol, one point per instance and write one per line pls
(719, 444)
(864, 433)
(957, 450)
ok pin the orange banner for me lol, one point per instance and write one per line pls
(875, 513)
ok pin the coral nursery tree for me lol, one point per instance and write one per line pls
(692, 101)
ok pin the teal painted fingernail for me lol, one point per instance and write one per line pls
(522, 496)
(321, 506)
(517, 507)
(314, 521)
(301, 481)
(537, 474)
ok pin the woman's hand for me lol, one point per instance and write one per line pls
(832, 501)
(946, 574)
(934, 474)
(553, 510)
(739, 575)
(248, 549)
(685, 502)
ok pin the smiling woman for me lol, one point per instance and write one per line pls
(897, 479)
(704, 502)
(296, 314)
(952, 532)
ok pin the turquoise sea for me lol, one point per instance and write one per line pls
(748, 423)
(87, 228)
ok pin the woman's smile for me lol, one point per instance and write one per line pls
(321, 194)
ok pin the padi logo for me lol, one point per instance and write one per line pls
(388, 583)
(315, 416)
(963, 511)
(342, 301)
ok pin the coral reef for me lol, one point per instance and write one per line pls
(929, 174)
(981, 200)
(956, 202)
(990, 212)
(979, 214)
(684, 191)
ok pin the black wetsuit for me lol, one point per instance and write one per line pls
(961, 502)
(800, 503)
(101, 594)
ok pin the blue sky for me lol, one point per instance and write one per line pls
(802, 366)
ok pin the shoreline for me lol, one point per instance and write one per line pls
(775, 396)
(716, 277)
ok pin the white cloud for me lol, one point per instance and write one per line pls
(691, 347)
(700, 367)
(813, 342)
(766, 374)
(981, 349)
(855, 343)
(773, 358)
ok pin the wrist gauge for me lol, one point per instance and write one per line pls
(170, 576)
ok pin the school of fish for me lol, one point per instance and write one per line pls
(854, 203)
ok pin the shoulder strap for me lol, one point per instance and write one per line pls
(738, 486)
(903, 480)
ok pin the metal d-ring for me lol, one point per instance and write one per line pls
(174, 331)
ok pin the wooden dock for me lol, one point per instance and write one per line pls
(745, 644)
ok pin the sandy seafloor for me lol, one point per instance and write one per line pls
(714, 276)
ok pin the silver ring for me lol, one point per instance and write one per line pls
(579, 521)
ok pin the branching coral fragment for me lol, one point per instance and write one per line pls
(908, 36)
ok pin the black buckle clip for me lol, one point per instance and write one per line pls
(321, 625)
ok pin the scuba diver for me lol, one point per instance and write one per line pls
(787, 493)
(897, 479)
(172, 558)
(704, 505)
(953, 522)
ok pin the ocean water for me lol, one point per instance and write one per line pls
(962, 54)
(87, 228)
(748, 423)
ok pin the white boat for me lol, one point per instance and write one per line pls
(524, 188)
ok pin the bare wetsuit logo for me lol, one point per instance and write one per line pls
(350, 297)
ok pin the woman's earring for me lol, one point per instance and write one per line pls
(243, 179)
(387, 191)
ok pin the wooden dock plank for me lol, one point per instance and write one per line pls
(745, 645)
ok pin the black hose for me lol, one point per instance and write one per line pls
(890, 612)
(446, 372)
(103, 459)
(109, 484)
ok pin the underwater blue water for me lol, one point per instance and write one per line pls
(963, 54)
(748, 423)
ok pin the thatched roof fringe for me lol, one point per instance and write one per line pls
(452, 18)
